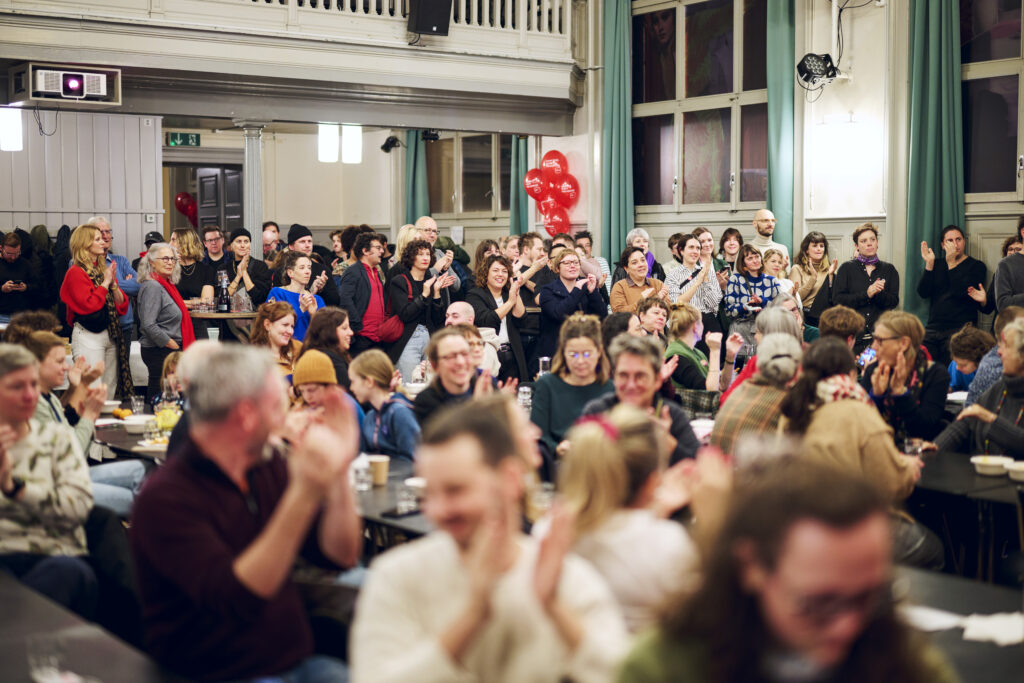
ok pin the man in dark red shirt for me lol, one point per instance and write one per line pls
(362, 293)
(216, 531)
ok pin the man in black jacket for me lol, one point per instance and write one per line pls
(362, 293)
(301, 239)
(17, 282)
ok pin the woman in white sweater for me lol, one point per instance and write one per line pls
(611, 478)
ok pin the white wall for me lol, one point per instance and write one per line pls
(86, 164)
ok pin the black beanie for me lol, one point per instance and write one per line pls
(297, 232)
(239, 232)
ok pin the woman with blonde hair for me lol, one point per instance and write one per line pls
(95, 304)
(610, 479)
(273, 328)
(694, 371)
(197, 279)
(908, 388)
(390, 426)
(579, 374)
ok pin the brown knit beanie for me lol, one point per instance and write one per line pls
(314, 367)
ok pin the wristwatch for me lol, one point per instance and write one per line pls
(18, 485)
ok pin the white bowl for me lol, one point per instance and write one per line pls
(991, 465)
(419, 485)
(1015, 470)
(136, 424)
(110, 406)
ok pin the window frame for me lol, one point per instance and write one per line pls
(734, 101)
(495, 212)
(993, 69)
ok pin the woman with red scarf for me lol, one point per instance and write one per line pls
(164, 323)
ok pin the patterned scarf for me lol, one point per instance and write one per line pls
(650, 264)
(868, 260)
(125, 384)
(839, 387)
(888, 406)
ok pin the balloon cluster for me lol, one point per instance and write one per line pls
(186, 206)
(554, 189)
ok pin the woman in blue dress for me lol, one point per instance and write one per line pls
(297, 269)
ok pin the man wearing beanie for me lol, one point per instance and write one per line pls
(300, 239)
(249, 274)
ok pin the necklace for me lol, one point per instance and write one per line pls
(999, 408)
(188, 270)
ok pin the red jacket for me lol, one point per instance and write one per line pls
(82, 297)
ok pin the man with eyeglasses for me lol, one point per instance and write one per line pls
(213, 240)
(442, 257)
(17, 282)
(362, 292)
(570, 293)
(451, 360)
(127, 278)
(764, 225)
(798, 588)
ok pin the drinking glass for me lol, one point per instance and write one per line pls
(913, 446)
(525, 397)
(406, 500)
(138, 405)
(363, 478)
(543, 366)
(45, 658)
(542, 496)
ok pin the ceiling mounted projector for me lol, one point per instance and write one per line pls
(35, 83)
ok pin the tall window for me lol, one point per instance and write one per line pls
(700, 113)
(991, 69)
(468, 174)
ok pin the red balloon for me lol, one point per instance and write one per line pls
(192, 213)
(547, 205)
(554, 165)
(534, 184)
(567, 191)
(182, 200)
(557, 220)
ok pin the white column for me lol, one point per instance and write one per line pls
(252, 189)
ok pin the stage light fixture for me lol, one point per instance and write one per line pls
(816, 70)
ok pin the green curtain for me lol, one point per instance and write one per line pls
(417, 201)
(935, 175)
(519, 208)
(779, 63)
(617, 131)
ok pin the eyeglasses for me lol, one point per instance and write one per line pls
(454, 356)
(430, 231)
(478, 344)
(570, 262)
(213, 240)
(576, 355)
(876, 338)
(166, 259)
(822, 610)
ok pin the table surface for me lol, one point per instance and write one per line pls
(121, 442)
(222, 316)
(382, 498)
(953, 473)
(88, 649)
(975, 662)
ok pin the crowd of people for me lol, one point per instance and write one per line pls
(535, 365)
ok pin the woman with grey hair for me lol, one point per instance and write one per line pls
(638, 237)
(769, 321)
(756, 405)
(164, 323)
(45, 493)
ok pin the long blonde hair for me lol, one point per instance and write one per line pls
(576, 326)
(79, 244)
(188, 244)
(374, 365)
(611, 457)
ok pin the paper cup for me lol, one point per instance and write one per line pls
(379, 467)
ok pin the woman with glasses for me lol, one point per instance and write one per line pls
(164, 323)
(908, 388)
(579, 374)
(562, 297)
(197, 278)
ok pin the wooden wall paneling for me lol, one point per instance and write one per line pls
(150, 172)
(6, 180)
(53, 180)
(35, 145)
(116, 144)
(85, 170)
(71, 148)
(100, 196)
(133, 183)
(20, 175)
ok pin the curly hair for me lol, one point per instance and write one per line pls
(485, 269)
(970, 343)
(412, 250)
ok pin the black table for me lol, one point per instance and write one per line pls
(953, 473)
(88, 649)
(117, 439)
(975, 662)
(387, 531)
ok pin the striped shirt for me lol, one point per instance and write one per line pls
(683, 279)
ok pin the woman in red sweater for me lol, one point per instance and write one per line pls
(95, 303)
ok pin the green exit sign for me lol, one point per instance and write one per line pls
(183, 139)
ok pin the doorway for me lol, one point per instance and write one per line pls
(217, 190)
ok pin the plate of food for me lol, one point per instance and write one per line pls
(154, 446)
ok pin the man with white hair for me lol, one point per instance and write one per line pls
(217, 530)
(127, 278)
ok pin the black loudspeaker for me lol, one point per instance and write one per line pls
(430, 16)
